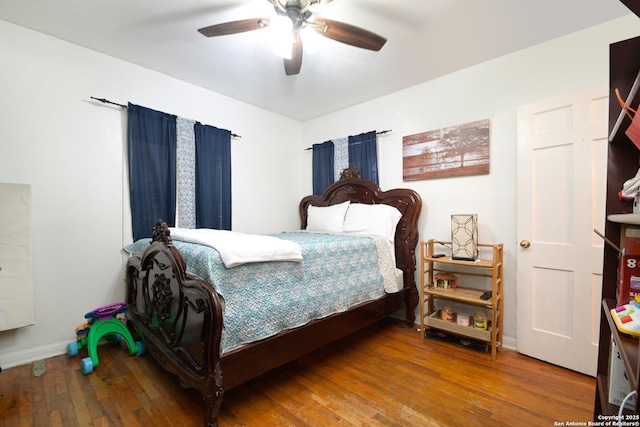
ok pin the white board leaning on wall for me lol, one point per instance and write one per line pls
(16, 286)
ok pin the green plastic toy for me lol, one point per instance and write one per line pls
(102, 323)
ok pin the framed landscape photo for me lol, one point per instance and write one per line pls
(451, 151)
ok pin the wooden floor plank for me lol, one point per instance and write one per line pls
(78, 399)
(286, 387)
(385, 375)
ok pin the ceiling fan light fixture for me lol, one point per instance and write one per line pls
(280, 25)
(282, 37)
(288, 28)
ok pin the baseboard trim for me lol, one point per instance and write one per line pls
(31, 355)
(509, 342)
(56, 349)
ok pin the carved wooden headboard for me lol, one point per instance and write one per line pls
(359, 190)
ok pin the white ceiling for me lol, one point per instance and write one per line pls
(426, 39)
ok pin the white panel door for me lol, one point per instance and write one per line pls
(562, 161)
(16, 288)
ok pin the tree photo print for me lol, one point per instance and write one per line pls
(451, 151)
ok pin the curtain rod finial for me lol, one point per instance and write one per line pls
(106, 101)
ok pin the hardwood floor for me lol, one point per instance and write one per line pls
(385, 375)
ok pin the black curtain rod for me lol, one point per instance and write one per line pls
(106, 101)
(382, 132)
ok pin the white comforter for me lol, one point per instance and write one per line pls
(239, 248)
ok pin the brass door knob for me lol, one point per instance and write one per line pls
(525, 243)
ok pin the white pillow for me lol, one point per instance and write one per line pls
(327, 218)
(380, 220)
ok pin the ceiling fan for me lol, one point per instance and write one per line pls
(298, 15)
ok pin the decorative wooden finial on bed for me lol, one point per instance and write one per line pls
(161, 233)
(350, 172)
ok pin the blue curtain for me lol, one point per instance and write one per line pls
(363, 154)
(152, 168)
(213, 177)
(322, 166)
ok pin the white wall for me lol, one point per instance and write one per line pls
(492, 90)
(70, 149)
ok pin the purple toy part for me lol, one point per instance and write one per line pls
(108, 311)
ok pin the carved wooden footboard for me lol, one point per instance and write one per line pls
(178, 317)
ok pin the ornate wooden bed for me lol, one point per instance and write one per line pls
(180, 317)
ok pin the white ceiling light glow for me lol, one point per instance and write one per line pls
(282, 35)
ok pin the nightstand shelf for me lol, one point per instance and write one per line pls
(464, 295)
(477, 277)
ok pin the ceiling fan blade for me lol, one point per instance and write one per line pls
(348, 34)
(234, 27)
(292, 66)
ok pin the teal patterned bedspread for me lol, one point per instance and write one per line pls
(261, 299)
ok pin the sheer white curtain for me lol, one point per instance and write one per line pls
(186, 171)
(340, 156)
